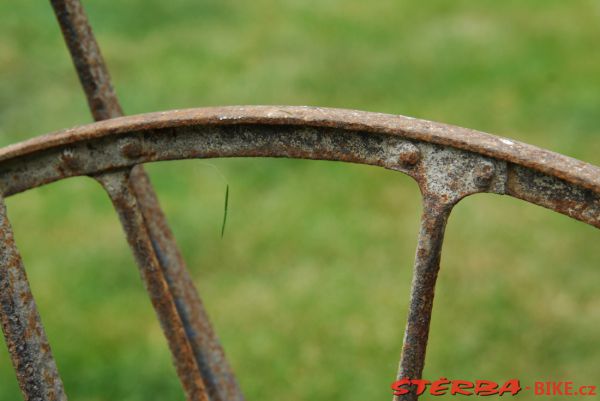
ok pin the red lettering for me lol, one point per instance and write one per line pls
(538, 389)
(486, 387)
(460, 387)
(421, 385)
(568, 388)
(438, 387)
(512, 386)
(398, 388)
(556, 388)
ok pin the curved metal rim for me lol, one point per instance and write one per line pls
(566, 168)
(547, 179)
(448, 163)
(445, 175)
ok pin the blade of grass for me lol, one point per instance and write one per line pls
(225, 210)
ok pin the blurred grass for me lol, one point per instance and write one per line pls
(309, 287)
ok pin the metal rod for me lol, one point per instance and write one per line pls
(102, 99)
(425, 272)
(118, 186)
(26, 339)
(85, 52)
(218, 376)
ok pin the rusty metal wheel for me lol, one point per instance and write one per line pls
(448, 163)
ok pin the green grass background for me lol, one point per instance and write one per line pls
(308, 289)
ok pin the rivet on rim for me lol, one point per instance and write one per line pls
(132, 149)
(484, 173)
(409, 156)
(70, 160)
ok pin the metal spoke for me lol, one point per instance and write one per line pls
(425, 272)
(25, 336)
(95, 80)
(448, 162)
(218, 376)
(85, 52)
(445, 176)
(119, 188)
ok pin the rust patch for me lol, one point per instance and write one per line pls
(26, 340)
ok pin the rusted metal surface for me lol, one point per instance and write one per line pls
(445, 176)
(299, 132)
(218, 377)
(85, 52)
(449, 163)
(103, 102)
(119, 187)
(25, 337)
(554, 193)
(425, 272)
(563, 167)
